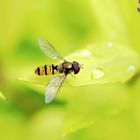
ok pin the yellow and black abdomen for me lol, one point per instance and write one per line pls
(46, 70)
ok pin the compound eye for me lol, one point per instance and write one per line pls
(76, 69)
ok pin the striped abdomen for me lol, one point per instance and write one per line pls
(46, 70)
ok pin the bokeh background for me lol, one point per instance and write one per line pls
(99, 112)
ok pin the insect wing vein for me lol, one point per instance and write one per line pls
(53, 87)
(48, 49)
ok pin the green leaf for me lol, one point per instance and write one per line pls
(106, 62)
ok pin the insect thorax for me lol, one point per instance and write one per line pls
(65, 67)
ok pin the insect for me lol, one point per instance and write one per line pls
(60, 71)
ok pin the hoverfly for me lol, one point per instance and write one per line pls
(62, 70)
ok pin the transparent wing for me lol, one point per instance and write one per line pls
(53, 87)
(48, 49)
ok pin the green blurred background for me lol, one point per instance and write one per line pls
(99, 112)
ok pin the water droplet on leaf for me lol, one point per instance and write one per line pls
(97, 73)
